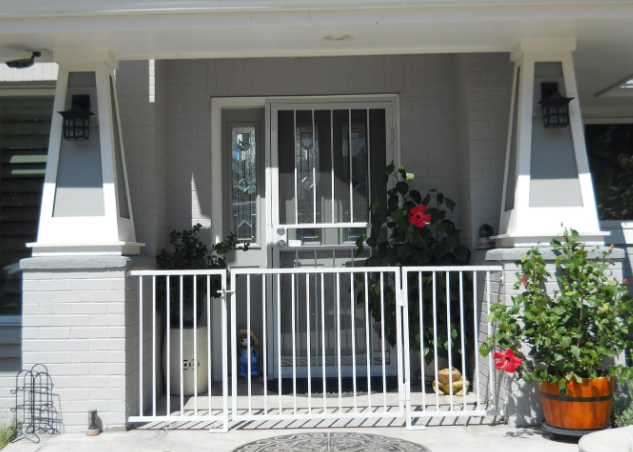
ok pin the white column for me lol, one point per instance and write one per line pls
(86, 206)
(547, 181)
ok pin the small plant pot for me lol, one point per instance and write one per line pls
(587, 405)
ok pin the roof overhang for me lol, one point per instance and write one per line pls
(163, 29)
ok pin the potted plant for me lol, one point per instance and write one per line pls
(418, 233)
(189, 253)
(561, 339)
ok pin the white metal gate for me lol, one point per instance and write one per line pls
(328, 313)
(186, 368)
(367, 356)
(459, 323)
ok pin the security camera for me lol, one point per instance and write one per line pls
(25, 62)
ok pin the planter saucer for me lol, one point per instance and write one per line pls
(553, 431)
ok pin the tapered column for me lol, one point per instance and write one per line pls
(86, 207)
(547, 180)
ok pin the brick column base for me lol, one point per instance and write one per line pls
(78, 320)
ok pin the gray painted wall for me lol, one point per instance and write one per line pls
(79, 190)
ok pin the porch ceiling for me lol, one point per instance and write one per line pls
(603, 31)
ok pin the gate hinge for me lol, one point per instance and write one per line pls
(402, 301)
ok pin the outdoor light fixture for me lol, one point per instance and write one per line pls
(77, 119)
(555, 107)
(25, 62)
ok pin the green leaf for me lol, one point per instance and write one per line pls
(415, 196)
(450, 203)
(402, 187)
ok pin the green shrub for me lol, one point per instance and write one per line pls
(8, 432)
(623, 403)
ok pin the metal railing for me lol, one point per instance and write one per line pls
(184, 365)
(326, 343)
(305, 299)
(450, 332)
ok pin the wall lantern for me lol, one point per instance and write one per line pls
(555, 107)
(77, 119)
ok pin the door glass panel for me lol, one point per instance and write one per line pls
(360, 166)
(306, 161)
(285, 156)
(340, 132)
(244, 181)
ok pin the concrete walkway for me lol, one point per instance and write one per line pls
(450, 438)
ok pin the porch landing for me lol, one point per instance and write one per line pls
(446, 438)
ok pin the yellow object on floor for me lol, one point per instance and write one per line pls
(442, 385)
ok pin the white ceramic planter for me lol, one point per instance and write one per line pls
(187, 362)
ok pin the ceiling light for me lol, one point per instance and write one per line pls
(338, 37)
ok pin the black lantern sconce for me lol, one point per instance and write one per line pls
(555, 107)
(77, 119)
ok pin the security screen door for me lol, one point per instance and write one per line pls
(326, 166)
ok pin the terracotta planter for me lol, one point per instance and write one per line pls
(587, 405)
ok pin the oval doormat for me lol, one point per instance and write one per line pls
(331, 442)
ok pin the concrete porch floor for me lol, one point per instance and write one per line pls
(485, 437)
(446, 434)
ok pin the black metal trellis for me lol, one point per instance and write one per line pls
(34, 404)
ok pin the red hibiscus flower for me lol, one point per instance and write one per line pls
(524, 280)
(507, 361)
(418, 217)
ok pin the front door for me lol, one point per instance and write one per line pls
(327, 163)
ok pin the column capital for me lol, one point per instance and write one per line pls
(85, 57)
(548, 46)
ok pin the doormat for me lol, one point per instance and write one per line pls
(331, 442)
(331, 384)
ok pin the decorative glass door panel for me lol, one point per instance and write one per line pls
(327, 164)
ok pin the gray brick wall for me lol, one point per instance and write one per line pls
(484, 86)
(428, 129)
(82, 323)
(145, 139)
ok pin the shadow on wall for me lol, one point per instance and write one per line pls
(523, 405)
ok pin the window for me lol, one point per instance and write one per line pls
(25, 124)
(610, 151)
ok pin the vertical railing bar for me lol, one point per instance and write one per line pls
(225, 358)
(490, 365)
(140, 345)
(314, 181)
(234, 347)
(382, 340)
(351, 281)
(182, 355)
(367, 314)
(265, 343)
(323, 363)
(279, 341)
(294, 154)
(423, 363)
(476, 317)
(168, 347)
(209, 343)
(308, 343)
(368, 140)
(462, 334)
(248, 343)
(154, 401)
(351, 172)
(436, 358)
(195, 344)
(450, 338)
(338, 340)
(332, 161)
(294, 349)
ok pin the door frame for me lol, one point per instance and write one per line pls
(218, 104)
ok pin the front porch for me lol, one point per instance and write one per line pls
(282, 139)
